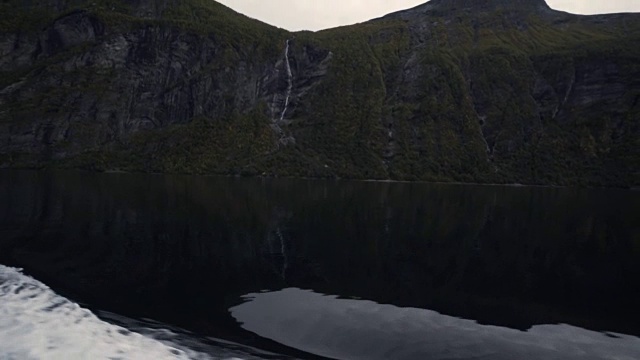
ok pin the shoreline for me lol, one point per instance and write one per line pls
(458, 183)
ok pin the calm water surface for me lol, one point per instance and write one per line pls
(155, 266)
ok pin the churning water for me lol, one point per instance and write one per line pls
(37, 323)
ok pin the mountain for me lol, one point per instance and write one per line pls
(489, 91)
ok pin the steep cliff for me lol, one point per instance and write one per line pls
(483, 91)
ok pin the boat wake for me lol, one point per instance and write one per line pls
(37, 323)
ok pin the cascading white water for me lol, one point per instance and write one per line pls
(289, 81)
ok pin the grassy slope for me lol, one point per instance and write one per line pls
(437, 136)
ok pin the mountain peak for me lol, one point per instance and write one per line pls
(487, 4)
(473, 6)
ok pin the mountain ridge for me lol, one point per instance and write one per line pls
(478, 5)
(539, 97)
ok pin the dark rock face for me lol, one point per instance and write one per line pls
(147, 78)
(452, 90)
(72, 30)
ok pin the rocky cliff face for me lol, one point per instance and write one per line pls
(489, 91)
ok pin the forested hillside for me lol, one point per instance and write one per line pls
(493, 92)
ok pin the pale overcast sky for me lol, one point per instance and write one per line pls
(296, 15)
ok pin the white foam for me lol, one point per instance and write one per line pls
(360, 329)
(37, 323)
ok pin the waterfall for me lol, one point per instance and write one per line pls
(280, 102)
(289, 81)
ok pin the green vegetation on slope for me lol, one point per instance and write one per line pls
(506, 97)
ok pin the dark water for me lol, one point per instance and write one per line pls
(337, 268)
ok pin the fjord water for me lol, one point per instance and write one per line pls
(207, 267)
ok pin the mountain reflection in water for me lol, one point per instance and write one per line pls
(185, 249)
(359, 329)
